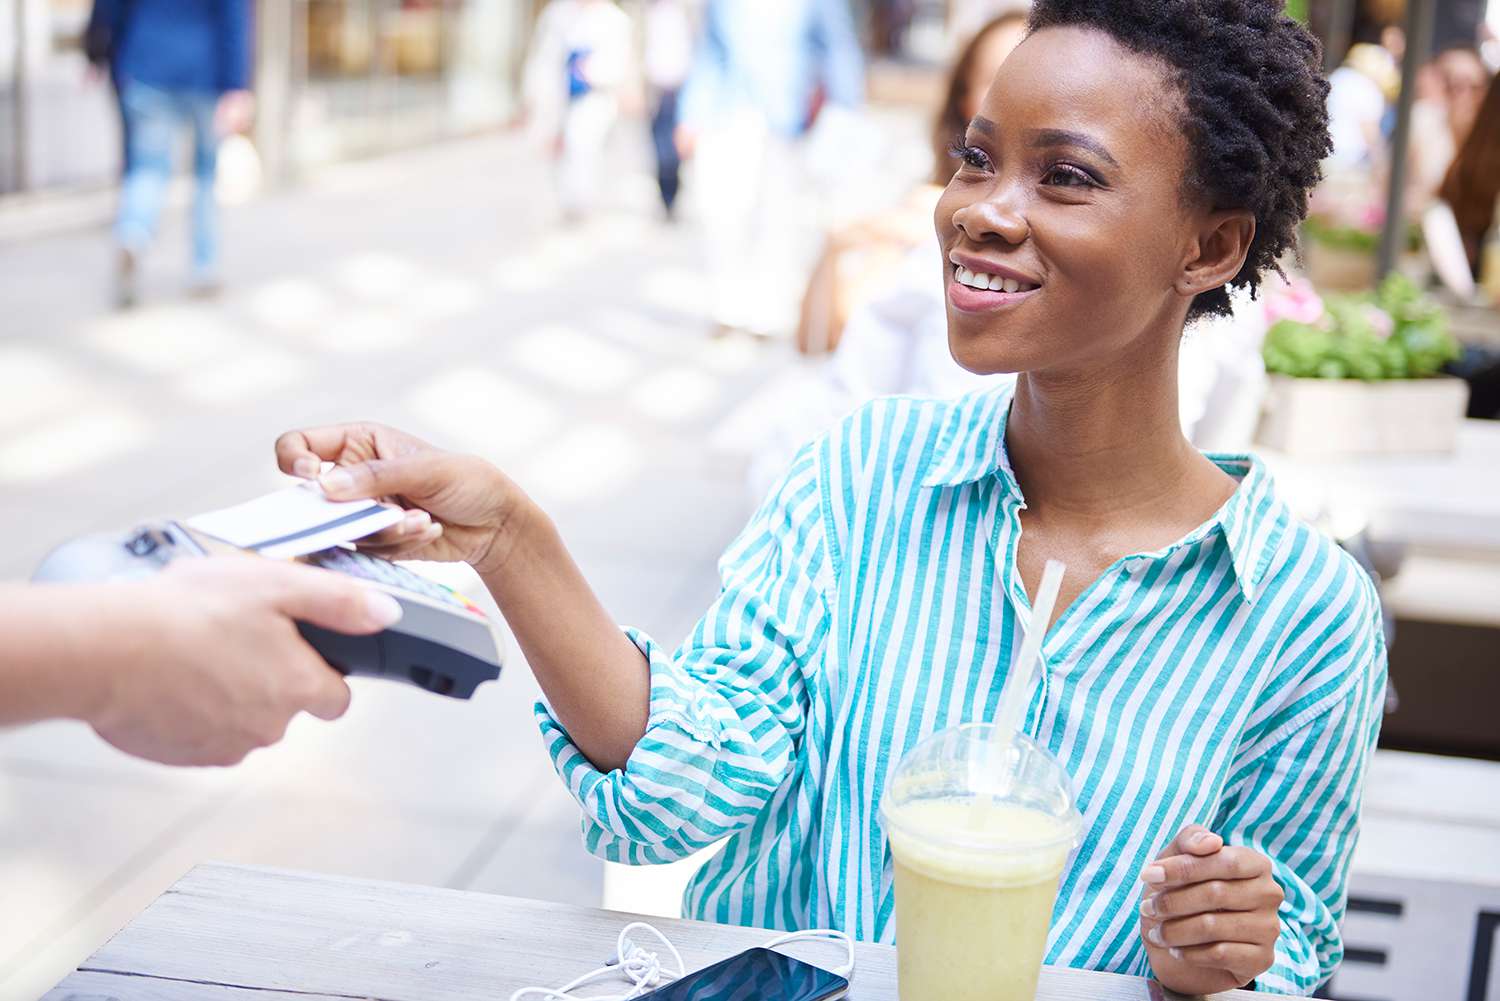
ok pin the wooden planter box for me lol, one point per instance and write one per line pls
(1339, 269)
(1310, 417)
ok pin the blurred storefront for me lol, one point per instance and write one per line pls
(343, 78)
(334, 78)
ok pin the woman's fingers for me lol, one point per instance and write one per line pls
(302, 453)
(1243, 960)
(1252, 927)
(413, 524)
(1227, 863)
(1212, 895)
(415, 476)
(405, 548)
(1194, 839)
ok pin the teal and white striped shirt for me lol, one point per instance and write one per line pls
(1234, 679)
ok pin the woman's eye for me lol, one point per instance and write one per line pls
(972, 156)
(1068, 176)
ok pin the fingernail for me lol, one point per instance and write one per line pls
(416, 521)
(337, 481)
(1201, 838)
(1175, 953)
(434, 532)
(383, 610)
(1154, 934)
(307, 467)
(1148, 907)
(1154, 874)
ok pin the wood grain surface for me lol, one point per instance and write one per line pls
(240, 933)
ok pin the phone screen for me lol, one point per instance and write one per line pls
(755, 975)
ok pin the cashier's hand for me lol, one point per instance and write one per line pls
(204, 663)
(458, 506)
(1208, 913)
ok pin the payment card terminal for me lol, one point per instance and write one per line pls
(444, 643)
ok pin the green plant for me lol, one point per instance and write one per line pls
(1396, 332)
(1338, 237)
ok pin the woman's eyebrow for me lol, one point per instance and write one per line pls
(1043, 138)
(983, 126)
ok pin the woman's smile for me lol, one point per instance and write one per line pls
(976, 285)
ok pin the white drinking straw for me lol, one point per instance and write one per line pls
(1015, 696)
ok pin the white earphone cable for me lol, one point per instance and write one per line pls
(646, 971)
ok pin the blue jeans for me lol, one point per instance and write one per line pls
(154, 119)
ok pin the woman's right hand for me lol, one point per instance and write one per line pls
(460, 508)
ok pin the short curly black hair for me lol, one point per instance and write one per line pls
(1254, 107)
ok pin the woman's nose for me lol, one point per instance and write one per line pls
(997, 216)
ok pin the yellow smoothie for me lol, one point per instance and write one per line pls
(972, 922)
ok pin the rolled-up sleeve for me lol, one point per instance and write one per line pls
(1296, 799)
(729, 707)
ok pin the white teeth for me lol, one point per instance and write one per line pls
(992, 283)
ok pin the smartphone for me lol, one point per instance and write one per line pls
(755, 975)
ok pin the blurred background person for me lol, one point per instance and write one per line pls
(1361, 93)
(179, 65)
(577, 75)
(867, 255)
(764, 71)
(1449, 90)
(1472, 185)
(98, 49)
(890, 20)
(668, 58)
(1465, 79)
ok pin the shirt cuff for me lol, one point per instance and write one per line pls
(709, 761)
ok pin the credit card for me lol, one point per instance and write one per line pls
(295, 521)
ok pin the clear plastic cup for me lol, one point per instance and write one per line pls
(979, 835)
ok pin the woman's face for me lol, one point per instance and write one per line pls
(1070, 199)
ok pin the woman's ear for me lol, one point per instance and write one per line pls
(1219, 252)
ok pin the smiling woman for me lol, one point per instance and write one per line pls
(1214, 677)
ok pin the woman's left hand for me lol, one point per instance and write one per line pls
(1208, 913)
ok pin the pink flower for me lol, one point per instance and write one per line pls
(1372, 217)
(1379, 320)
(1294, 299)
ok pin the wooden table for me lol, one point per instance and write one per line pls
(238, 933)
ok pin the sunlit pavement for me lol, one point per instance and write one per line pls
(431, 290)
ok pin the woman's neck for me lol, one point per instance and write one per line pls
(1094, 443)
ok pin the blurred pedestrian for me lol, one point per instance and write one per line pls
(98, 49)
(669, 57)
(763, 71)
(179, 65)
(578, 69)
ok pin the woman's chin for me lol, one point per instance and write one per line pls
(985, 357)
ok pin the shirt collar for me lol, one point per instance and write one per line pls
(971, 447)
(1252, 520)
(972, 443)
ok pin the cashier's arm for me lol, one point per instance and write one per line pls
(199, 665)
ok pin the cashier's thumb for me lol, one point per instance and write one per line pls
(329, 600)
